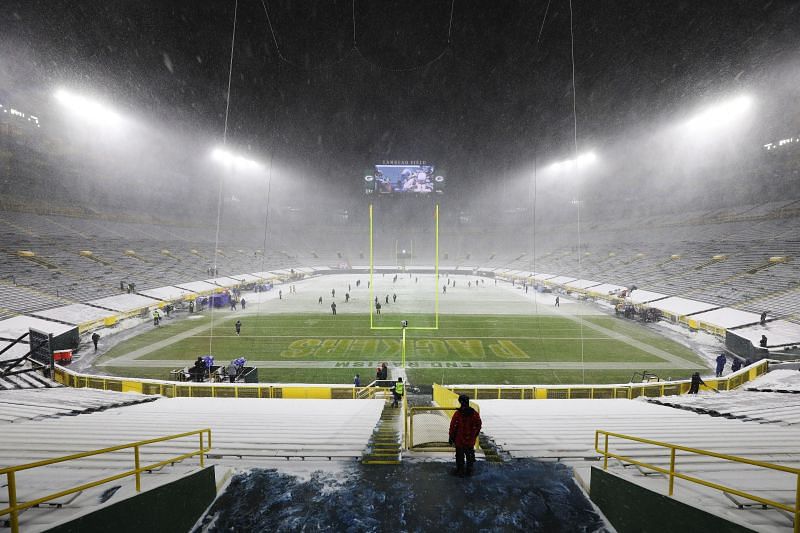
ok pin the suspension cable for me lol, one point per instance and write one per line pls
(222, 174)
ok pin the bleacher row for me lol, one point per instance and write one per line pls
(722, 257)
(53, 422)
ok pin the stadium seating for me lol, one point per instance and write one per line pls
(276, 430)
(563, 430)
(721, 256)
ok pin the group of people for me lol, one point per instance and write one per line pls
(131, 287)
(203, 366)
(235, 300)
(736, 364)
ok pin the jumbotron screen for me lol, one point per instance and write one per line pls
(404, 177)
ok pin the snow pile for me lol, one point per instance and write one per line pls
(765, 407)
(777, 380)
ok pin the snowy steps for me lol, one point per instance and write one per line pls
(27, 380)
(762, 407)
(384, 445)
(19, 405)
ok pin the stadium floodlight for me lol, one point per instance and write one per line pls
(721, 114)
(87, 108)
(236, 161)
(583, 161)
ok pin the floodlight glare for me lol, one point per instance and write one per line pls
(86, 108)
(721, 114)
(227, 158)
(583, 160)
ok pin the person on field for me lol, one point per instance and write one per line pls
(95, 339)
(238, 327)
(232, 370)
(357, 381)
(199, 370)
(333, 308)
(464, 429)
(558, 301)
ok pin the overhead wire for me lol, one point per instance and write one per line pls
(412, 68)
(355, 48)
(222, 174)
(532, 261)
(266, 218)
(577, 183)
(292, 63)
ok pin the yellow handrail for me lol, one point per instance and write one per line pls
(794, 510)
(14, 507)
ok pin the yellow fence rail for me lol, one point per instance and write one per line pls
(435, 429)
(673, 473)
(596, 392)
(427, 428)
(173, 389)
(15, 507)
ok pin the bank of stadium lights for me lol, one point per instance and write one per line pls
(87, 108)
(582, 160)
(721, 114)
(34, 120)
(781, 143)
(235, 161)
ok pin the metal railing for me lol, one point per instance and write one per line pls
(672, 473)
(173, 389)
(427, 427)
(627, 391)
(15, 507)
(431, 431)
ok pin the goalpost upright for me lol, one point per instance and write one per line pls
(435, 284)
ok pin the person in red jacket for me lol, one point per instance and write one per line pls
(464, 428)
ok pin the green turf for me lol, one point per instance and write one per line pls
(460, 339)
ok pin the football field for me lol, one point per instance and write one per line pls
(486, 333)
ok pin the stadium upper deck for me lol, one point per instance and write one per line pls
(742, 258)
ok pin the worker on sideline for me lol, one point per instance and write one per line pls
(398, 391)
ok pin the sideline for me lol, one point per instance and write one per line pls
(482, 365)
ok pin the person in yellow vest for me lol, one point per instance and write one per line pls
(397, 391)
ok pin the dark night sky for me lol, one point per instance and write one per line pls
(491, 100)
